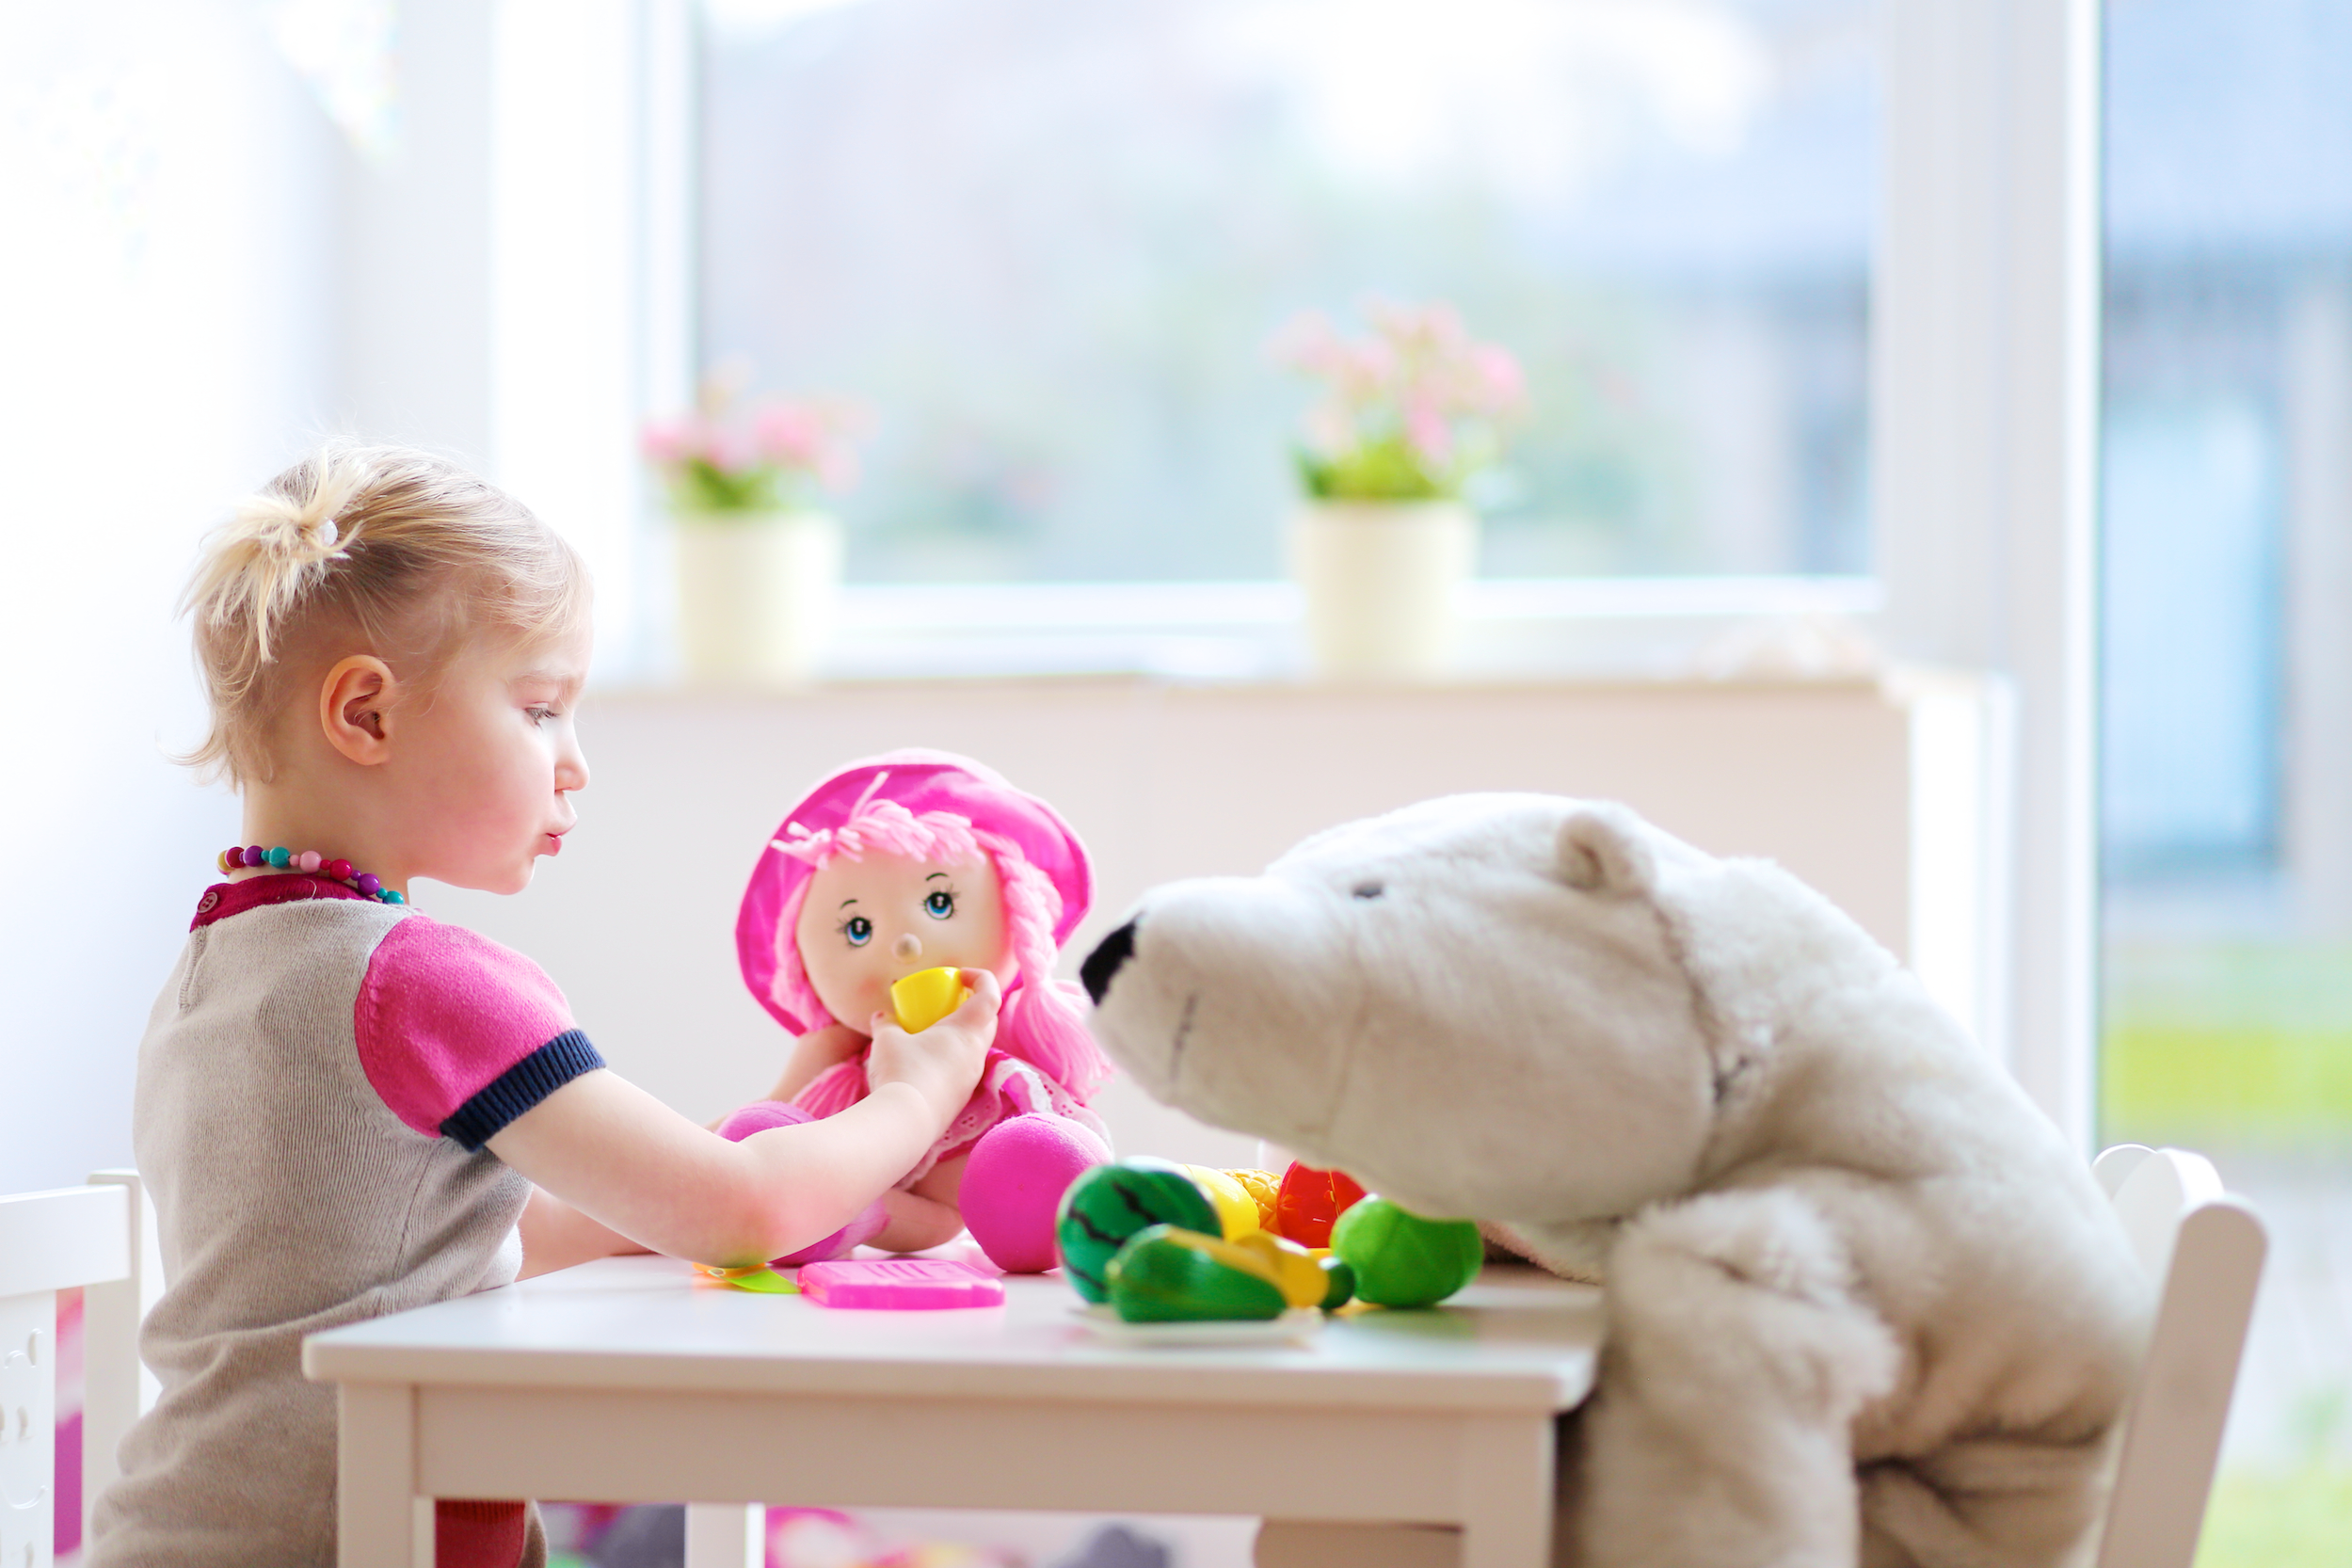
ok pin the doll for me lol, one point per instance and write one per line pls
(910, 861)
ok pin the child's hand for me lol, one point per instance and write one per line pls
(943, 1062)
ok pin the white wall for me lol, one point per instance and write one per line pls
(636, 920)
(202, 275)
(164, 335)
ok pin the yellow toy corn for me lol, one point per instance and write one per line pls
(1237, 1211)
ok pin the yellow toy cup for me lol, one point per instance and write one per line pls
(922, 999)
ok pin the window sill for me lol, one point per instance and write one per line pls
(1615, 628)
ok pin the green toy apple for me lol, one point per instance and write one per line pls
(1402, 1260)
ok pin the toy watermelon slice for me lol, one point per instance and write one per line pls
(1111, 1203)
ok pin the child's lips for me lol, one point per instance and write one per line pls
(555, 842)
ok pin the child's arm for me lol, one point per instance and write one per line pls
(556, 1235)
(624, 1161)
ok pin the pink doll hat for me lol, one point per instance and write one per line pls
(921, 782)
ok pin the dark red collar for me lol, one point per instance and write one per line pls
(224, 898)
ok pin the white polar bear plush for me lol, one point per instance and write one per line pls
(1864, 1304)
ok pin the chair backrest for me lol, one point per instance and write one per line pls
(102, 1238)
(2204, 1249)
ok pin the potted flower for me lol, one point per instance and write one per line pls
(1383, 540)
(759, 559)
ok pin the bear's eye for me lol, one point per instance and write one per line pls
(1367, 890)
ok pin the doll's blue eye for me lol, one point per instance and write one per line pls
(858, 929)
(938, 903)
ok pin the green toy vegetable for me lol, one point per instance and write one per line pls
(1402, 1260)
(1342, 1284)
(1111, 1203)
(1167, 1274)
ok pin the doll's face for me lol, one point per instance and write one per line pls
(869, 923)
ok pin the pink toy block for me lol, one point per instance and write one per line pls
(900, 1284)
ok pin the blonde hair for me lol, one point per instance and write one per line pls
(402, 551)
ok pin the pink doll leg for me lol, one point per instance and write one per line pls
(763, 1114)
(1014, 1182)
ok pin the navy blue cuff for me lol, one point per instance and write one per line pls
(521, 1087)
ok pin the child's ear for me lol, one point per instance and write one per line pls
(352, 702)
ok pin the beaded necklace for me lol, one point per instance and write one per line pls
(309, 861)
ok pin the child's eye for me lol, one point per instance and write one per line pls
(858, 929)
(940, 904)
(539, 715)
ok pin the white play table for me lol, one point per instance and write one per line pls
(628, 1379)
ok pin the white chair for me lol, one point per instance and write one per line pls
(102, 1237)
(2206, 1249)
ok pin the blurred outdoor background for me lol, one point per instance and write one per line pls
(1052, 237)
(2227, 755)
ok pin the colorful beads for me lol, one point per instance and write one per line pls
(238, 857)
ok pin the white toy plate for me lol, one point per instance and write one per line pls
(1298, 1326)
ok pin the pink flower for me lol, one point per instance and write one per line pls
(1432, 436)
(729, 448)
(1418, 375)
(778, 440)
(787, 434)
(668, 443)
(1504, 384)
(1366, 371)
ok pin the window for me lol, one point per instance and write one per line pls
(1049, 239)
(2226, 812)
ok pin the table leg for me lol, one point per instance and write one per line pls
(726, 1535)
(1307, 1544)
(1507, 1493)
(377, 1519)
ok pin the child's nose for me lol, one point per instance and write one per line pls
(908, 948)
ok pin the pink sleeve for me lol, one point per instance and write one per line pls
(460, 1036)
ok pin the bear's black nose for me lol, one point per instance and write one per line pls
(1104, 962)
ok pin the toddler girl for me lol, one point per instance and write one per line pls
(342, 1106)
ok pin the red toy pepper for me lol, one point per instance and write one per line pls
(1310, 1201)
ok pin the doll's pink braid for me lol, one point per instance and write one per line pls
(1041, 1023)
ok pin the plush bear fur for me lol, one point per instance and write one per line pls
(1864, 1304)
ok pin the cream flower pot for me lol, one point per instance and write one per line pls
(1382, 581)
(756, 593)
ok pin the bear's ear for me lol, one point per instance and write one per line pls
(1602, 850)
